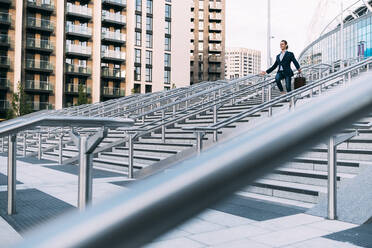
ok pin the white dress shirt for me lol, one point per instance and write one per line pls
(281, 58)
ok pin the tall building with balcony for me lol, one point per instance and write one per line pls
(241, 62)
(105, 49)
(207, 40)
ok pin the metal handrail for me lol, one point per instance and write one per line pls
(159, 203)
(279, 99)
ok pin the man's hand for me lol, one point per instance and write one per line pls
(263, 73)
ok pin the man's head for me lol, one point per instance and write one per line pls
(283, 45)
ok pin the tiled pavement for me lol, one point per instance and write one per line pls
(48, 190)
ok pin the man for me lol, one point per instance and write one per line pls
(283, 60)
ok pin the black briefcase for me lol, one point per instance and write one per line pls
(299, 81)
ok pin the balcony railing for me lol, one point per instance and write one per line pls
(113, 36)
(4, 40)
(115, 2)
(215, 48)
(77, 29)
(36, 106)
(39, 64)
(42, 4)
(85, 50)
(215, 59)
(74, 88)
(79, 10)
(5, 18)
(215, 6)
(215, 37)
(215, 27)
(112, 91)
(113, 54)
(113, 73)
(77, 69)
(38, 85)
(114, 17)
(4, 61)
(40, 23)
(214, 70)
(4, 105)
(39, 44)
(4, 83)
(215, 16)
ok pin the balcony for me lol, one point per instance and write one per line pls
(78, 50)
(41, 5)
(192, 47)
(73, 89)
(78, 70)
(4, 84)
(114, 18)
(215, 6)
(113, 92)
(118, 4)
(39, 65)
(4, 40)
(215, 27)
(4, 62)
(40, 24)
(215, 70)
(215, 48)
(79, 11)
(39, 45)
(77, 30)
(113, 55)
(38, 86)
(215, 38)
(4, 105)
(114, 74)
(113, 37)
(5, 19)
(36, 106)
(215, 59)
(217, 17)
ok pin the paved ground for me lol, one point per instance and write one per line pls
(46, 191)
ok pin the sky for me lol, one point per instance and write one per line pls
(246, 23)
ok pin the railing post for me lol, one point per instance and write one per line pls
(85, 174)
(163, 126)
(12, 153)
(263, 94)
(24, 145)
(60, 154)
(2, 144)
(215, 119)
(39, 146)
(130, 155)
(199, 141)
(332, 179)
(269, 99)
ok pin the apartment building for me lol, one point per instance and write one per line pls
(240, 62)
(207, 40)
(106, 48)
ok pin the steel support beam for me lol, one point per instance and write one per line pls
(12, 168)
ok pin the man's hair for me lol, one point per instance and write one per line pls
(286, 43)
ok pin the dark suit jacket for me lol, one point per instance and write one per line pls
(285, 63)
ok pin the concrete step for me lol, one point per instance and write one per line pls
(351, 154)
(121, 158)
(149, 152)
(316, 164)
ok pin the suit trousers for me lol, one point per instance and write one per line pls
(288, 81)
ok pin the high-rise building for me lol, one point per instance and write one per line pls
(240, 62)
(207, 40)
(105, 48)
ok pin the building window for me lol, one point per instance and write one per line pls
(167, 77)
(149, 40)
(148, 23)
(167, 27)
(148, 74)
(138, 21)
(149, 7)
(137, 53)
(138, 5)
(167, 44)
(138, 39)
(168, 13)
(167, 60)
(137, 73)
(148, 57)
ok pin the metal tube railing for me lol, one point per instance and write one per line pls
(158, 204)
